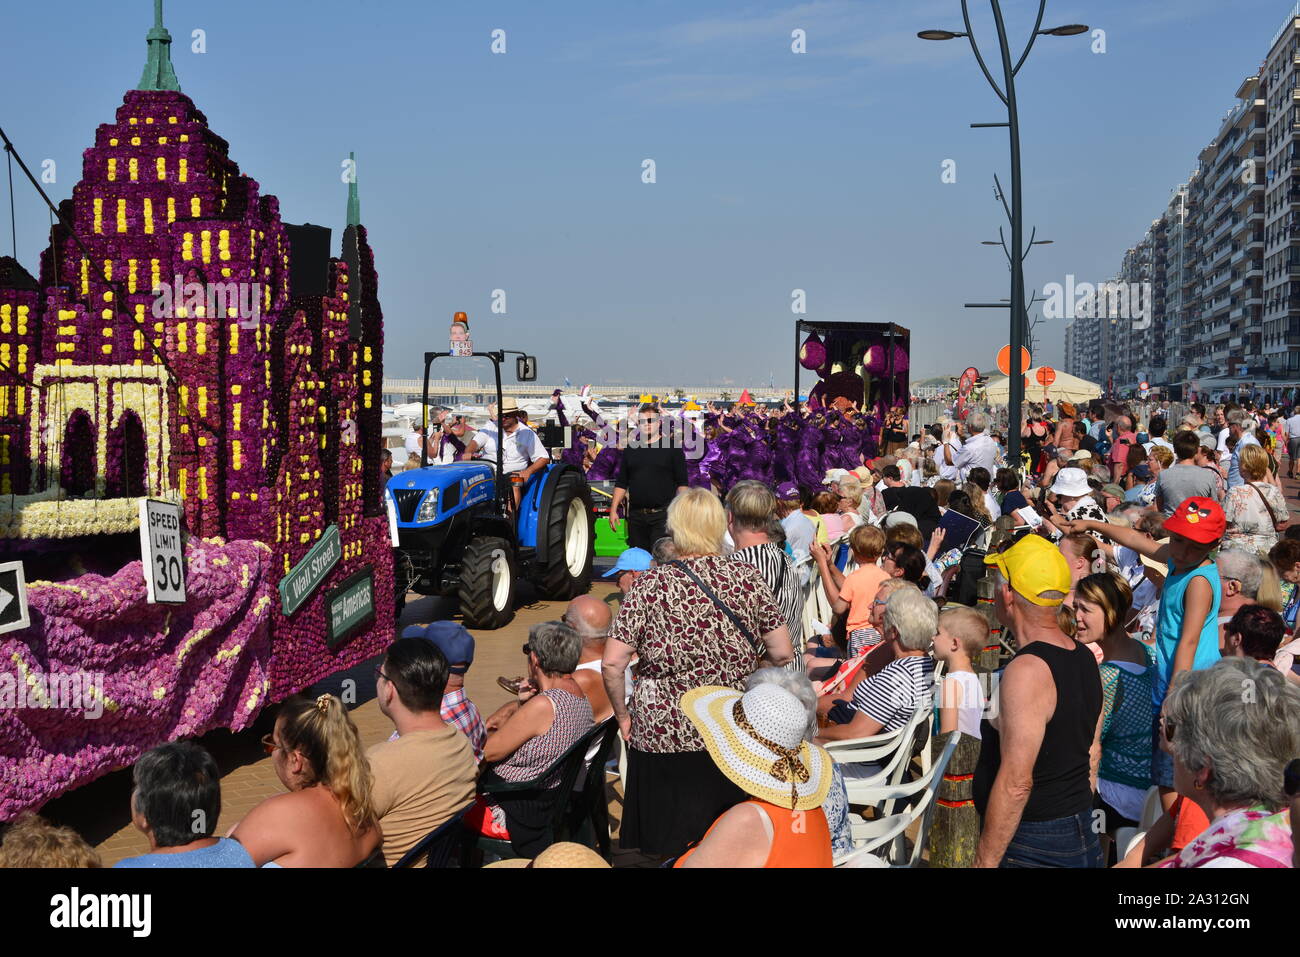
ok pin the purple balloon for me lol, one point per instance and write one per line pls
(812, 354)
(875, 360)
(901, 361)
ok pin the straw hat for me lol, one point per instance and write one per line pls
(757, 740)
(564, 854)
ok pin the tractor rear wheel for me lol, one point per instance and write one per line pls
(570, 537)
(487, 583)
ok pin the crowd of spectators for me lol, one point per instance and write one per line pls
(1087, 617)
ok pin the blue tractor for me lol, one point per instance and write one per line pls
(460, 534)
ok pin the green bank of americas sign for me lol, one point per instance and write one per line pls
(305, 577)
(350, 607)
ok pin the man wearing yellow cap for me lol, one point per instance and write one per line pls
(1037, 771)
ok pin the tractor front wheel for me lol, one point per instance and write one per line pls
(487, 583)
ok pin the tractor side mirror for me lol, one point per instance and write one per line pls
(526, 368)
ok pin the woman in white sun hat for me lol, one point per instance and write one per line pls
(761, 740)
(1074, 499)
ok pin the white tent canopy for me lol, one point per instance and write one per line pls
(1066, 387)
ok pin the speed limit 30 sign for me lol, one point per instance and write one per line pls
(162, 551)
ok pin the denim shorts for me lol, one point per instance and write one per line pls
(1063, 842)
(1162, 765)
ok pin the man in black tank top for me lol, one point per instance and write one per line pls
(1041, 745)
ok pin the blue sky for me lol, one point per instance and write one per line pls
(775, 171)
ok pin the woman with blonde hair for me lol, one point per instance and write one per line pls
(978, 503)
(698, 620)
(1270, 587)
(327, 818)
(1255, 508)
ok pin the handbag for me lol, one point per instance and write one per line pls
(759, 648)
(1277, 526)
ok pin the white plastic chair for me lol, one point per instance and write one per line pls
(889, 831)
(1125, 837)
(936, 685)
(862, 791)
(1152, 809)
(1125, 844)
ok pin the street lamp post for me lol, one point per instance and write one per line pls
(1015, 384)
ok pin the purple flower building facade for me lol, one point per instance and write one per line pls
(192, 347)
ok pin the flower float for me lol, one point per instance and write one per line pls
(175, 359)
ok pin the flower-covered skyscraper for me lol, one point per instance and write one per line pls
(171, 349)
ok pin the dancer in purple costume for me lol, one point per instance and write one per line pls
(757, 452)
(786, 444)
(808, 463)
(604, 468)
(869, 439)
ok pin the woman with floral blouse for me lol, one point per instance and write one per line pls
(1255, 508)
(699, 620)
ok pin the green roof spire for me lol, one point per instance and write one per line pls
(159, 74)
(354, 198)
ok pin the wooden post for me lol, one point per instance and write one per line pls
(955, 827)
(990, 659)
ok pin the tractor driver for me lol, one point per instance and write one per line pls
(521, 452)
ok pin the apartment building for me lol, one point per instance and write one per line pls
(1092, 340)
(1223, 258)
(1280, 341)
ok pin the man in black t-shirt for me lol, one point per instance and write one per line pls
(651, 472)
(917, 501)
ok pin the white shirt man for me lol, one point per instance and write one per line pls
(950, 472)
(978, 450)
(521, 447)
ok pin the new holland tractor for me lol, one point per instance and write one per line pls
(460, 534)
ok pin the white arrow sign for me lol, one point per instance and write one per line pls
(13, 588)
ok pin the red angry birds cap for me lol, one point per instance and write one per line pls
(1200, 519)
